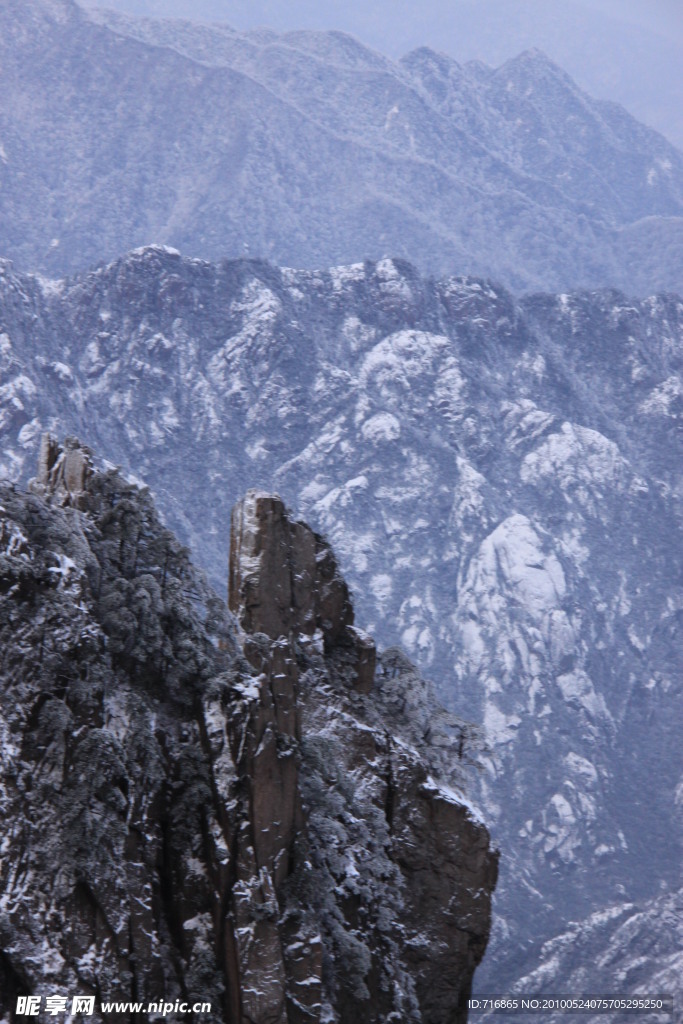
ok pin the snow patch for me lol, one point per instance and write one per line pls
(62, 371)
(661, 398)
(342, 276)
(452, 796)
(512, 557)
(577, 455)
(29, 434)
(499, 727)
(381, 427)
(578, 691)
(50, 287)
(382, 588)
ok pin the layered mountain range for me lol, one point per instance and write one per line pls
(627, 53)
(311, 150)
(255, 816)
(500, 479)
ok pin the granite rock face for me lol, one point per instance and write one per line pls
(63, 472)
(284, 580)
(198, 812)
(282, 576)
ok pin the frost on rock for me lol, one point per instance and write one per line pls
(260, 814)
(579, 461)
(511, 565)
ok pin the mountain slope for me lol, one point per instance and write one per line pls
(634, 61)
(500, 479)
(621, 949)
(310, 149)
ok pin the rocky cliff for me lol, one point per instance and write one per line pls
(263, 814)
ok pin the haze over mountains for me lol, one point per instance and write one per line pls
(622, 50)
(311, 150)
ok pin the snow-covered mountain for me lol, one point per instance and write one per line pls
(499, 477)
(622, 949)
(311, 150)
(630, 55)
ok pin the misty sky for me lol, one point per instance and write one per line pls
(625, 50)
(661, 16)
(658, 15)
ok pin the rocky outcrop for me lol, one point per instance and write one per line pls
(63, 472)
(283, 578)
(251, 815)
(284, 581)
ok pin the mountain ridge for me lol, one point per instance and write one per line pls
(609, 57)
(344, 155)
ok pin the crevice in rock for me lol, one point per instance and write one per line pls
(13, 983)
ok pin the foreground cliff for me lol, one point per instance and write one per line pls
(267, 817)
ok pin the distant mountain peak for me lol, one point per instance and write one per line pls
(537, 63)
